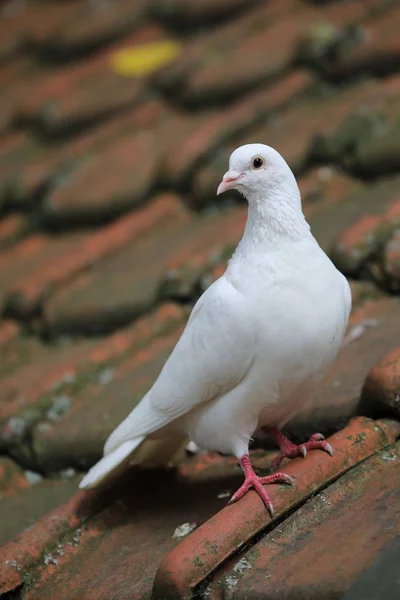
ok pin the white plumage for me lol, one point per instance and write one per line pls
(258, 340)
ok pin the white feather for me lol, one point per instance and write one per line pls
(107, 465)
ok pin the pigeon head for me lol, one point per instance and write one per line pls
(256, 171)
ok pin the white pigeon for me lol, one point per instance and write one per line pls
(257, 342)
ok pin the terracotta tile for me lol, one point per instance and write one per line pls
(87, 535)
(21, 510)
(16, 347)
(91, 26)
(393, 213)
(29, 171)
(63, 204)
(332, 220)
(12, 477)
(257, 60)
(29, 546)
(20, 77)
(141, 244)
(261, 56)
(188, 269)
(371, 237)
(180, 13)
(358, 243)
(41, 263)
(362, 291)
(12, 143)
(8, 333)
(106, 183)
(248, 50)
(301, 133)
(137, 335)
(25, 169)
(381, 391)
(380, 578)
(83, 94)
(217, 129)
(323, 186)
(28, 261)
(39, 368)
(22, 25)
(373, 49)
(304, 133)
(11, 229)
(12, 71)
(338, 533)
(43, 380)
(224, 39)
(77, 439)
(193, 561)
(366, 143)
(191, 246)
(192, 497)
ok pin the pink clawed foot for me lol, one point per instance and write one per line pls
(290, 450)
(254, 481)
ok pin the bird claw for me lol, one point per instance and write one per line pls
(283, 478)
(254, 481)
(289, 450)
(303, 450)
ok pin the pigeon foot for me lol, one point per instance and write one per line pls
(290, 450)
(254, 481)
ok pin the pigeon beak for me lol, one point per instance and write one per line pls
(229, 181)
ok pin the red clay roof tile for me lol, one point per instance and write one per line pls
(130, 264)
(90, 26)
(24, 25)
(104, 184)
(77, 438)
(217, 129)
(21, 510)
(39, 381)
(381, 391)
(361, 245)
(40, 263)
(336, 542)
(89, 537)
(180, 13)
(197, 557)
(11, 477)
(86, 93)
(11, 229)
(372, 47)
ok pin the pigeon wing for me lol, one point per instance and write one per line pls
(213, 355)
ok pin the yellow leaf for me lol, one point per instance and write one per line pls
(141, 60)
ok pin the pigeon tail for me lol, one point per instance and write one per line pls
(111, 464)
(149, 453)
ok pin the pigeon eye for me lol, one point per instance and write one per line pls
(258, 162)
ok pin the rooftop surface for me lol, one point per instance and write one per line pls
(117, 119)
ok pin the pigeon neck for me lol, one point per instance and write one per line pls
(274, 220)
